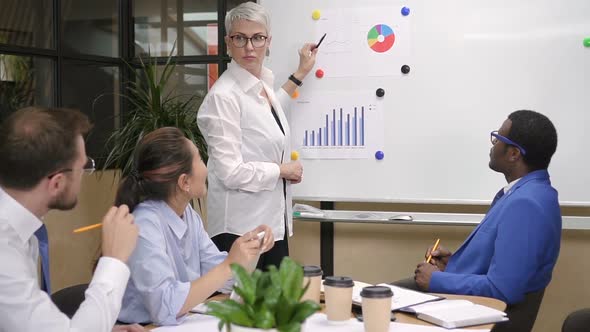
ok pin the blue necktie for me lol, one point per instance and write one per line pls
(497, 197)
(41, 235)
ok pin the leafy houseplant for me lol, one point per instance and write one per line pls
(270, 299)
(152, 105)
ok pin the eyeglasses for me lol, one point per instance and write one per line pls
(88, 168)
(495, 137)
(241, 40)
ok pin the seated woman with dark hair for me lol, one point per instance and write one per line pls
(175, 265)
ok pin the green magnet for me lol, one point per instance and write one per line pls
(587, 42)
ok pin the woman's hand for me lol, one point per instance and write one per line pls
(268, 241)
(292, 171)
(245, 250)
(128, 328)
(307, 55)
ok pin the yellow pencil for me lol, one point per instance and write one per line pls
(433, 249)
(87, 228)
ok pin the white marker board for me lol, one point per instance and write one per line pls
(472, 63)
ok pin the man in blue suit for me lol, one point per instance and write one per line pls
(513, 250)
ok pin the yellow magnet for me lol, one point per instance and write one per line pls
(294, 155)
(316, 14)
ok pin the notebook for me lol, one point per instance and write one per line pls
(456, 313)
(402, 297)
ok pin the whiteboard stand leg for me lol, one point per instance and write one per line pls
(327, 242)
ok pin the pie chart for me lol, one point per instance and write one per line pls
(380, 38)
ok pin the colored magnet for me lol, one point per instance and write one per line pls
(319, 73)
(587, 42)
(380, 92)
(379, 155)
(405, 11)
(295, 94)
(316, 14)
(294, 155)
(405, 69)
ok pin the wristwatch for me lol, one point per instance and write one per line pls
(295, 80)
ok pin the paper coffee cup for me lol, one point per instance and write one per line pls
(312, 275)
(376, 308)
(338, 296)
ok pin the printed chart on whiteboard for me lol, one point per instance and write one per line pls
(337, 125)
(369, 41)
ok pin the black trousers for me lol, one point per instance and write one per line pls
(274, 256)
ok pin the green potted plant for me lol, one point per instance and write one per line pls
(271, 300)
(152, 105)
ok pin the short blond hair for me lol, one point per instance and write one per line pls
(250, 11)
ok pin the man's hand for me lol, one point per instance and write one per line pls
(119, 233)
(440, 257)
(423, 274)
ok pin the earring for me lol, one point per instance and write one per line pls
(267, 51)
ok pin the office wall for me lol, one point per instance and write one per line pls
(371, 253)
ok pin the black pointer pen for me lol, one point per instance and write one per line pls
(321, 40)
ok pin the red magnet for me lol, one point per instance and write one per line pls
(319, 73)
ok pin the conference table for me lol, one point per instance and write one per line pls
(411, 319)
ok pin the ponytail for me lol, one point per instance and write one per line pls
(129, 192)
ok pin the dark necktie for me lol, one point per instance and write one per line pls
(41, 235)
(497, 197)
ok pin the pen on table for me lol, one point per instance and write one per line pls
(87, 228)
(320, 42)
(308, 214)
(433, 249)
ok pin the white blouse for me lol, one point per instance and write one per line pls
(246, 147)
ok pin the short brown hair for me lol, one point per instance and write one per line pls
(37, 141)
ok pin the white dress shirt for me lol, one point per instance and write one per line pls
(24, 306)
(246, 147)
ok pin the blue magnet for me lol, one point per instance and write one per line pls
(405, 11)
(379, 155)
(380, 92)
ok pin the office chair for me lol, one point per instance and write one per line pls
(577, 321)
(522, 315)
(68, 300)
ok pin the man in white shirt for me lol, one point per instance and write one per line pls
(43, 159)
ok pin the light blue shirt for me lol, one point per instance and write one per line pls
(171, 252)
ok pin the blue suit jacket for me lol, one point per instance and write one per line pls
(514, 248)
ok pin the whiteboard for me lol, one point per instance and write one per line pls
(472, 63)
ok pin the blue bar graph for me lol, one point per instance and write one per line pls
(338, 129)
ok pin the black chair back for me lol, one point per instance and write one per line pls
(522, 315)
(577, 321)
(68, 300)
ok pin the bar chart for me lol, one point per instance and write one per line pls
(337, 125)
(339, 129)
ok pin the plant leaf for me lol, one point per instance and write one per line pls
(230, 311)
(244, 283)
(291, 327)
(292, 279)
(304, 310)
(264, 318)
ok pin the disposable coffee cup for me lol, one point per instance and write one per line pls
(376, 308)
(312, 275)
(338, 296)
